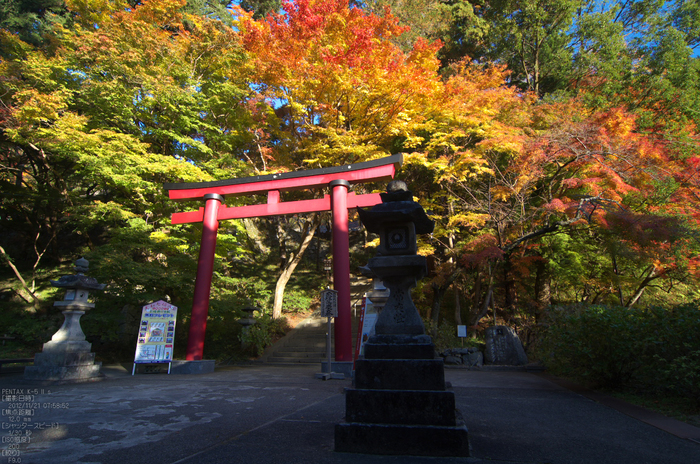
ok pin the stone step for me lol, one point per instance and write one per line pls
(306, 344)
(299, 354)
(276, 360)
(308, 336)
(296, 339)
(301, 349)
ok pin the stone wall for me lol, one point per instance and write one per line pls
(469, 357)
(503, 347)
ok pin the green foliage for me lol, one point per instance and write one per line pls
(263, 333)
(597, 343)
(237, 292)
(446, 334)
(31, 330)
(611, 346)
(140, 265)
(297, 300)
(261, 8)
(223, 330)
(681, 376)
(32, 20)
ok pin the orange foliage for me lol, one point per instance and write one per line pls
(346, 87)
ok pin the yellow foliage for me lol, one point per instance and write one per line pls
(36, 107)
(468, 219)
(501, 193)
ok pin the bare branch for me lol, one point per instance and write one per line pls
(19, 276)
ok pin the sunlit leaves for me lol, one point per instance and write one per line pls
(345, 89)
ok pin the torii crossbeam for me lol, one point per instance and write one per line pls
(338, 178)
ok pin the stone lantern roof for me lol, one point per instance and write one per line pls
(397, 207)
(79, 281)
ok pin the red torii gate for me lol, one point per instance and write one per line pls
(338, 178)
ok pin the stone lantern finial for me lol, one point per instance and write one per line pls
(81, 265)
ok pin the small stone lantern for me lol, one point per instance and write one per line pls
(247, 322)
(67, 356)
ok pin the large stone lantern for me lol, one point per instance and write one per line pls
(67, 355)
(400, 404)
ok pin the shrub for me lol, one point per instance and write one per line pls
(614, 346)
(681, 376)
(33, 331)
(446, 334)
(263, 333)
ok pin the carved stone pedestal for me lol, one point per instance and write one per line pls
(399, 405)
(67, 356)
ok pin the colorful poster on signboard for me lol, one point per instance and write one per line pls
(156, 333)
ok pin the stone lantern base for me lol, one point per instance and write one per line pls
(63, 366)
(67, 356)
(401, 406)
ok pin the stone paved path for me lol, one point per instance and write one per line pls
(272, 414)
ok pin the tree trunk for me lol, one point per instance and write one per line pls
(483, 311)
(282, 281)
(34, 299)
(543, 294)
(290, 264)
(484, 307)
(255, 235)
(652, 275)
(438, 295)
(282, 242)
(476, 299)
(451, 244)
(508, 284)
(458, 308)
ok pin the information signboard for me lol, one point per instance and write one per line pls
(329, 303)
(156, 334)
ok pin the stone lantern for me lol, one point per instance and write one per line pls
(247, 322)
(379, 294)
(400, 404)
(67, 355)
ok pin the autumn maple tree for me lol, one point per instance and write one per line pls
(598, 192)
(339, 92)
